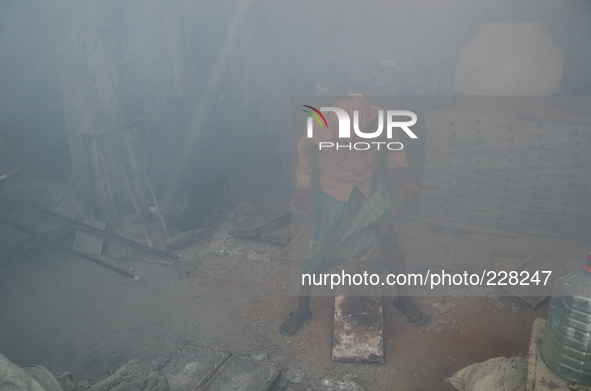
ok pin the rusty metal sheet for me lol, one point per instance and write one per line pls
(358, 330)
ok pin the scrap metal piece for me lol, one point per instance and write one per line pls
(197, 367)
(180, 241)
(243, 374)
(260, 224)
(192, 366)
(358, 330)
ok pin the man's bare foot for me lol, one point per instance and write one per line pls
(295, 321)
(412, 312)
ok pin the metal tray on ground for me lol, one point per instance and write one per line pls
(358, 329)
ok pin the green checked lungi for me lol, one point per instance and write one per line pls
(348, 224)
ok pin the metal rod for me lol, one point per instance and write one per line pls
(82, 255)
(59, 219)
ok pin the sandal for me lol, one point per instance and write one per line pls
(414, 310)
(301, 319)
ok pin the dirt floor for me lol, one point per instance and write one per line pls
(70, 315)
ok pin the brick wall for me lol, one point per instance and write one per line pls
(498, 171)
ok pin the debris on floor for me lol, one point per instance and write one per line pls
(443, 306)
(132, 376)
(200, 368)
(66, 381)
(191, 367)
(281, 235)
(292, 375)
(338, 384)
(14, 377)
(180, 240)
(244, 374)
(260, 224)
(43, 377)
(527, 373)
(496, 374)
(259, 256)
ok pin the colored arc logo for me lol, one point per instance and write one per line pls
(316, 116)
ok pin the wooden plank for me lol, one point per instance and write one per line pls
(358, 329)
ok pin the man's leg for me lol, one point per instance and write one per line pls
(396, 264)
(291, 323)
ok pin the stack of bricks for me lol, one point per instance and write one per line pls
(498, 171)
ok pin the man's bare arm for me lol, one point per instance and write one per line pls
(304, 172)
